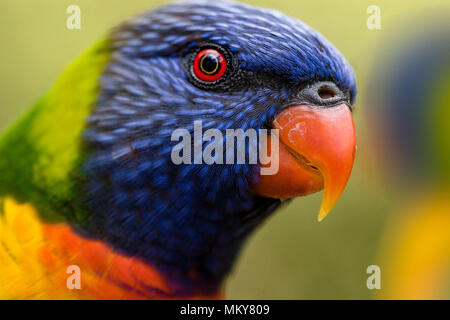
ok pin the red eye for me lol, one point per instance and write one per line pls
(209, 65)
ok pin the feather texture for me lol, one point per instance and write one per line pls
(34, 257)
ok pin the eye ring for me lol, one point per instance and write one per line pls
(209, 65)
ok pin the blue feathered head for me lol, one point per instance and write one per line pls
(188, 217)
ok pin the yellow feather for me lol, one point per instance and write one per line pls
(23, 273)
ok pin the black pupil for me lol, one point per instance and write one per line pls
(209, 64)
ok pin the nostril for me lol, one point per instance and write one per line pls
(325, 92)
(322, 93)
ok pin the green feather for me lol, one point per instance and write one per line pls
(41, 154)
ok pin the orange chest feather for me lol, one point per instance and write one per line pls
(50, 261)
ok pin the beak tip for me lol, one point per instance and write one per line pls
(322, 215)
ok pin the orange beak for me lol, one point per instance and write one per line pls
(316, 151)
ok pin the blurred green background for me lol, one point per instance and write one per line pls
(292, 256)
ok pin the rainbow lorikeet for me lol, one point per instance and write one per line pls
(86, 177)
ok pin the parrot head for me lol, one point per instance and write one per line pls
(230, 66)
